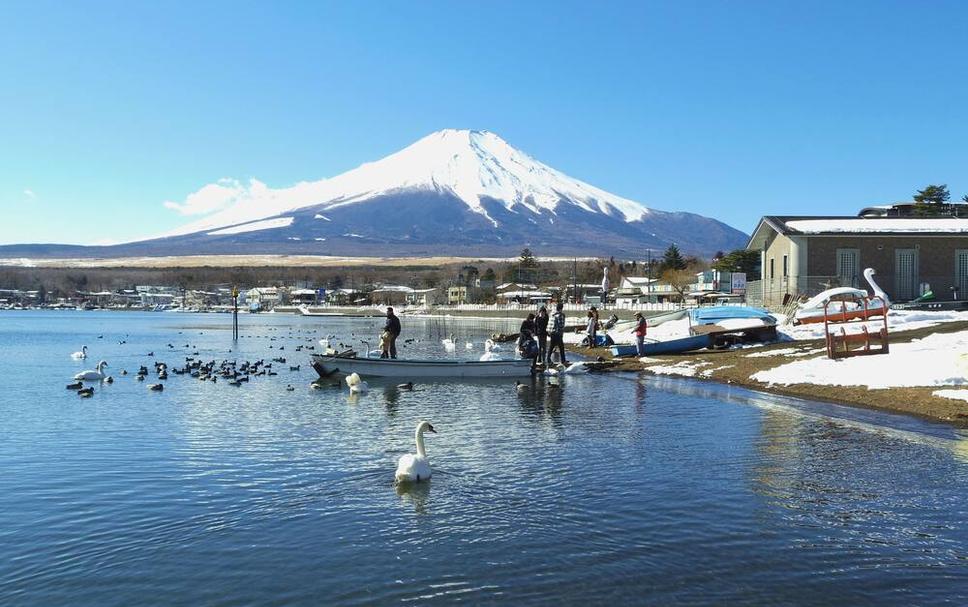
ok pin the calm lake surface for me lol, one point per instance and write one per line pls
(596, 489)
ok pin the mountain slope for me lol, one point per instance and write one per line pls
(454, 192)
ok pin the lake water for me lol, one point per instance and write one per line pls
(596, 489)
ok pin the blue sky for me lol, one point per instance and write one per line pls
(727, 109)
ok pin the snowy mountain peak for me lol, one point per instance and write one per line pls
(474, 166)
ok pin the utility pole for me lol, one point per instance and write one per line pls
(235, 313)
(649, 286)
(575, 280)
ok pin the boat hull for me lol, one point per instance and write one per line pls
(672, 346)
(328, 366)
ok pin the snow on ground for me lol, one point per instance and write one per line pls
(795, 352)
(952, 394)
(685, 368)
(709, 372)
(897, 320)
(267, 224)
(936, 360)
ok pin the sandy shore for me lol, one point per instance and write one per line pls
(736, 367)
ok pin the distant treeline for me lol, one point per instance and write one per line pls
(67, 282)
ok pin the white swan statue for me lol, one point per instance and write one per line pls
(878, 291)
(813, 309)
(93, 375)
(449, 344)
(415, 468)
(357, 385)
(80, 354)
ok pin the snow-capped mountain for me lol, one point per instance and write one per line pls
(455, 192)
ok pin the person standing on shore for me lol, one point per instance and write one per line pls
(640, 329)
(541, 331)
(392, 330)
(557, 335)
(592, 328)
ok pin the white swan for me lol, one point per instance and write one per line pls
(488, 354)
(415, 468)
(469, 345)
(449, 344)
(93, 375)
(489, 345)
(80, 354)
(357, 385)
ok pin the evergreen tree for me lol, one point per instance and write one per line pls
(672, 259)
(933, 194)
(740, 260)
(527, 259)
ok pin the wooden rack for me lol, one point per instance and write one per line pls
(841, 344)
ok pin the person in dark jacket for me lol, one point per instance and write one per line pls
(526, 346)
(391, 331)
(541, 331)
(557, 334)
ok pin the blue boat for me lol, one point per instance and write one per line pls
(672, 346)
(714, 314)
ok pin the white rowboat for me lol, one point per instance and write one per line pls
(328, 366)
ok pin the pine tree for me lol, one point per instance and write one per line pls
(672, 259)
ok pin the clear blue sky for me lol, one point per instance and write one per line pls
(728, 109)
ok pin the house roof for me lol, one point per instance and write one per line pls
(828, 225)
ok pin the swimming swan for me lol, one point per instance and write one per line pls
(80, 354)
(357, 385)
(93, 375)
(449, 344)
(415, 468)
(488, 354)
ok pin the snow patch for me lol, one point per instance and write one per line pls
(937, 360)
(866, 225)
(265, 224)
(952, 394)
(323, 217)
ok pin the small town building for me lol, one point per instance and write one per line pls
(910, 255)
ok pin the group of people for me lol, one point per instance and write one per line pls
(537, 330)
(535, 334)
(539, 337)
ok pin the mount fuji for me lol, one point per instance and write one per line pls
(454, 192)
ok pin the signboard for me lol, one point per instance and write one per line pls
(739, 283)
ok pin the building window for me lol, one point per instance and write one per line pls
(848, 262)
(771, 270)
(786, 266)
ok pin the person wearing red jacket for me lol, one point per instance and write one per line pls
(640, 329)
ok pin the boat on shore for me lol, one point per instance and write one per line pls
(329, 365)
(306, 311)
(669, 346)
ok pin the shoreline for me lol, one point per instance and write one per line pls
(735, 367)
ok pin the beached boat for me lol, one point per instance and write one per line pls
(734, 315)
(670, 346)
(338, 364)
(306, 311)
(854, 303)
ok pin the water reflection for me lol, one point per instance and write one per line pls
(416, 495)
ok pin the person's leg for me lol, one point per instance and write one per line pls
(542, 347)
(639, 340)
(393, 346)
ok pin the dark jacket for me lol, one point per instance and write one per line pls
(526, 331)
(557, 323)
(393, 325)
(541, 325)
